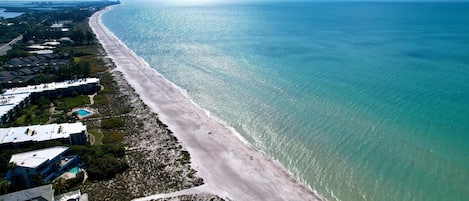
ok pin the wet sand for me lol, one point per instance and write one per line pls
(230, 168)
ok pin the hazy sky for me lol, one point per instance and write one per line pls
(208, 1)
(233, 0)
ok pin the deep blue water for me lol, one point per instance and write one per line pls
(361, 101)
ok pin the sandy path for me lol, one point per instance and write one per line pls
(230, 168)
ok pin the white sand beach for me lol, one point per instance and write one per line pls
(230, 168)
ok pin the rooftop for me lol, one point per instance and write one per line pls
(51, 86)
(39, 133)
(56, 25)
(8, 102)
(33, 159)
(42, 52)
(12, 97)
(37, 60)
(40, 47)
(38, 193)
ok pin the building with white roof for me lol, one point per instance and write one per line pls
(57, 25)
(11, 104)
(12, 100)
(45, 193)
(58, 88)
(33, 159)
(38, 166)
(69, 133)
(42, 52)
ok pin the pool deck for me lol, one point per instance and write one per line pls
(91, 112)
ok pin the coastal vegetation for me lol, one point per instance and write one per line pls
(67, 103)
(157, 162)
(103, 161)
(132, 153)
(112, 123)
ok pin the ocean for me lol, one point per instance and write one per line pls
(359, 100)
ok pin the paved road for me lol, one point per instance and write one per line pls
(5, 47)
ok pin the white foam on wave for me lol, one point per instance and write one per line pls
(214, 117)
(179, 89)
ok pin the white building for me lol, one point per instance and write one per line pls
(69, 133)
(58, 88)
(38, 166)
(57, 26)
(10, 104)
(12, 100)
(45, 193)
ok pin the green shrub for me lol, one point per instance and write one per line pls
(112, 123)
(113, 137)
(113, 150)
(100, 99)
(4, 186)
(76, 101)
(106, 91)
(88, 153)
(77, 180)
(186, 157)
(105, 168)
(80, 54)
(97, 135)
(127, 110)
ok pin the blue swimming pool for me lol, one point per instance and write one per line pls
(83, 112)
(74, 170)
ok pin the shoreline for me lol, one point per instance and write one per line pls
(231, 168)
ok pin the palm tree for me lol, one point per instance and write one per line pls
(60, 185)
(4, 186)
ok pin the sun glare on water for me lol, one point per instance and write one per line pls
(188, 2)
(193, 2)
(201, 2)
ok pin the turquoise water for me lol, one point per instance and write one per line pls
(74, 170)
(82, 112)
(9, 14)
(361, 101)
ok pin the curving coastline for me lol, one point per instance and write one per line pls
(230, 168)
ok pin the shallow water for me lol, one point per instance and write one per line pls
(361, 101)
(7, 15)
